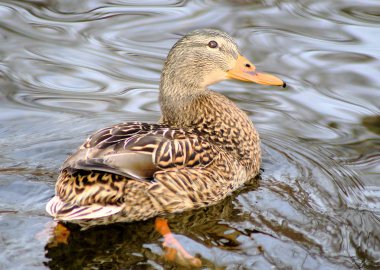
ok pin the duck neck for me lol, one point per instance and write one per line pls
(177, 110)
(178, 93)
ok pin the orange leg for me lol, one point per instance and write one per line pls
(55, 232)
(60, 235)
(174, 251)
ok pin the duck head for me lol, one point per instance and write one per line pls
(204, 57)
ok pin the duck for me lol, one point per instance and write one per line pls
(203, 148)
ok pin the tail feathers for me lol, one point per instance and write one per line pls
(66, 212)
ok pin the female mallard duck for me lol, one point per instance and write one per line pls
(204, 147)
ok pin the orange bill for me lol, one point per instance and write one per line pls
(244, 70)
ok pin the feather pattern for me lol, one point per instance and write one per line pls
(204, 148)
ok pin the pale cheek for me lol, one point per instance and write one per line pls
(214, 77)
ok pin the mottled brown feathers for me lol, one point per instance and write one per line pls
(204, 148)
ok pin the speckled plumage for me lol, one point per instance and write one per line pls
(204, 148)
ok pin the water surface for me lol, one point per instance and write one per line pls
(68, 68)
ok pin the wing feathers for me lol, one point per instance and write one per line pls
(139, 150)
(64, 211)
(92, 181)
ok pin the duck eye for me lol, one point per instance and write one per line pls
(213, 44)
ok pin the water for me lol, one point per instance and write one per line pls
(68, 68)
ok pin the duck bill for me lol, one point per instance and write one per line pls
(245, 71)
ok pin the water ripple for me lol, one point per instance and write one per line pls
(347, 12)
(68, 68)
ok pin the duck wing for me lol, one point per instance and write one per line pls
(114, 161)
(138, 150)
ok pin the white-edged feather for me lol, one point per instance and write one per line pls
(66, 212)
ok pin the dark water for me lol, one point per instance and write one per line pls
(68, 68)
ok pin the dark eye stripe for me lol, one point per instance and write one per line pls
(221, 49)
(213, 44)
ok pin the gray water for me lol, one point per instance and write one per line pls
(68, 68)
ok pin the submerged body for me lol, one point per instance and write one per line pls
(204, 147)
